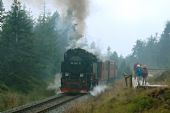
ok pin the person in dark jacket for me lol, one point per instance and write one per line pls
(144, 74)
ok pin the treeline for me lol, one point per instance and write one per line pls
(30, 50)
(154, 51)
(121, 63)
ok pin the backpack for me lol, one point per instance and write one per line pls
(138, 71)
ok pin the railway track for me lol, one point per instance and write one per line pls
(44, 105)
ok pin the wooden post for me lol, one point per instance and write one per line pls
(128, 80)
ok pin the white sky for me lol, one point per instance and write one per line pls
(118, 23)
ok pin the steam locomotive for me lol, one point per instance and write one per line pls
(82, 71)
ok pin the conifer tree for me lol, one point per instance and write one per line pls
(47, 44)
(16, 40)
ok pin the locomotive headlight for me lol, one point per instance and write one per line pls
(66, 74)
(81, 75)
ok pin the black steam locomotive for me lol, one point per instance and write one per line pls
(81, 71)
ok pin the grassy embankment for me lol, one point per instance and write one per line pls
(18, 91)
(123, 100)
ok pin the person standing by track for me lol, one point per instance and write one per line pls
(144, 74)
(134, 69)
(138, 73)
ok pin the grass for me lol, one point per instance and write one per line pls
(123, 100)
(163, 78)
(117, 99)
(18, 90)
(10, 98)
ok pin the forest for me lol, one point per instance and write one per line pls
(31, 49)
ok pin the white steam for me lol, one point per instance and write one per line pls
(98, 90)
(56, 84)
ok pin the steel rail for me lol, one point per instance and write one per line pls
(43, 105)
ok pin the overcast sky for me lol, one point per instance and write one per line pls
(118, 23)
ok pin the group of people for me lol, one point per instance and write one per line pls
(141, 73)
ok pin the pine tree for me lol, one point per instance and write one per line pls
(47, 44)
(138, 50)
(164, 45)
(16, 41)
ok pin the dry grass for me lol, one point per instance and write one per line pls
(123, 100)
(161, 78)
(90, 105)
(9, 99)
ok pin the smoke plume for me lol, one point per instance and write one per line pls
(73, 16)
(79, 9)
